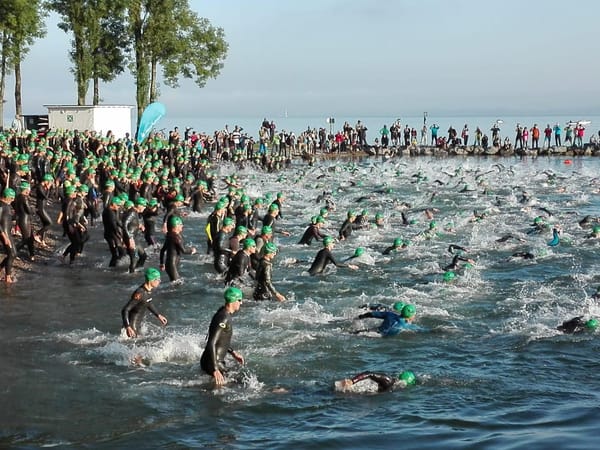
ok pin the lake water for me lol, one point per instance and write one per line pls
(493, 372)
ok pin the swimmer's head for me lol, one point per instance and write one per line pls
(270, 248)
(379, 216)
(248, 243)
(241, 229)
(228, 221)
(449, 276)
(175, 221)
(49, 177)
(8, 193)
(273, 207)
(232, 295)
(151, 274)
(359, 252)
(327, 240)
(179, 198)
(141, 201)
(596, 229)
(538, 220)
(351, 214)
(398, 242)
(408, 377)
(153, 202)
(398, 306)
(323, 212)
(364, 212)
(128, 204)
(592, 324)
(320, 219)
(408, 311)
(432, 224)
(313, 219)
(266, 229)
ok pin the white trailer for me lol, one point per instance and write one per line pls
(101, 118)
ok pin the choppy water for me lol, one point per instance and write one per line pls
(493, 371)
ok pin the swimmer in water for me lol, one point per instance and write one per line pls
(8, 196)
(578, 325)
(218, 342)
(385, 383)
(399, 244)
(324, 257)
(394, 322)
(264, 273)
(313, 231)
(133, 312)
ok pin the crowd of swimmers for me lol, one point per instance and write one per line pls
(140, 196)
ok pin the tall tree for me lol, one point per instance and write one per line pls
(98, 47)
(167, 33)
(21, 22)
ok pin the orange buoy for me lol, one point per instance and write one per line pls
(568, 161)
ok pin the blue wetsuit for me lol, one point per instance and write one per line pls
(392, 324)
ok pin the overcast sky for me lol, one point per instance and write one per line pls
(369, 58)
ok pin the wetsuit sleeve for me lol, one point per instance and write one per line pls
(163, 250)
(152, 309)
(214, 334)
(268, 280)
(384, 382)
(181, 249)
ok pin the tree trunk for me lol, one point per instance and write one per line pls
(153, 89)
(2, 80)
(141, 63)
(18, 101)
(80, 70)
(96, 100)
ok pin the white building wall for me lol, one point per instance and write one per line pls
(100, 119)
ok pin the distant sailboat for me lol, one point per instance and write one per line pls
(285, 113)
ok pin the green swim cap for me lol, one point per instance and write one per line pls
(327, 240)
(398, 306)
(259, 201)
(432, 224)
(179, 198)
(69, 190)
(109, 183)
(152, 274)
(128, 204)
(378, 216)
(227, 221)
(48, 177)
(175, 221)
(320, 219)
(398, 242)
(232, 295)
(141, 201)
(323, 211)
(8, 193)
(408, 311)
(449, 276)
(279, 194)
(596, 229)
(364, 212)
(117, 201)
(26, 185)
(592, 324)
(248, 243)
(273, 207)
(359, 251)
(351, 214)
(266, 229)
(241, 230)
(153, 202)
(408, 377)
(270, 248)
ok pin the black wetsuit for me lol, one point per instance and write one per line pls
(5, 229)
(221, 251)
(149, 216)
(312, 232)
(171, 252)
(131, 227)
(455, 262)
(133, 312)
(574, 325)
(238, 267)
(384, 382)
(113, 233)
(23, 213)
(218, 342)
(42, 194)
(74, 219)
(323, 258)
(214, 223)
(346, 229)
(264, 289)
